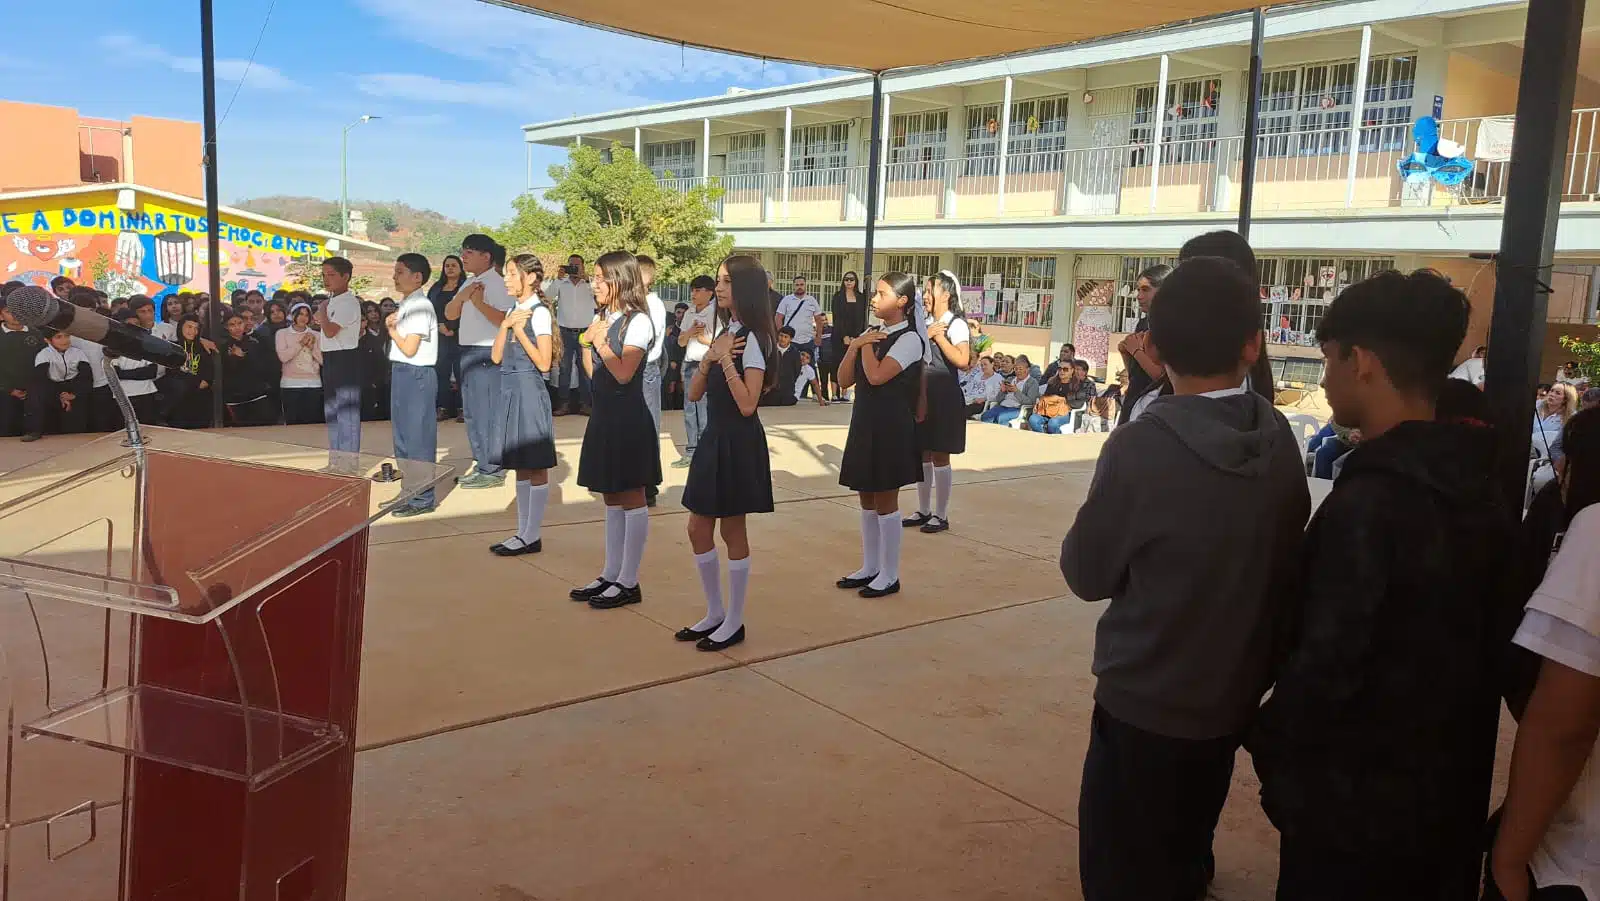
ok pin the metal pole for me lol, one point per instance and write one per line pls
(344, 182)
(883, 125)
(874, 156)
(1005, 143)
(1155, 137)
(1360, 103)
(1252, 122)
(208, 74)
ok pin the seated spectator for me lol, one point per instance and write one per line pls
(788, 367)
(974, 386)
(1471, 369)
(1063, 360)
(807, 378)
(245, 391)
(1018, 392)
(58, 398)
(1590, 399)
(1063, 400)
(1104, 409)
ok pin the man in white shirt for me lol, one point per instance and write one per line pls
(339, 317)
(574, 300)
(138, 377)
(652, 357)
(799, 312)
(1471, 369)
(413, 385)
(481, 305)
(699, 330)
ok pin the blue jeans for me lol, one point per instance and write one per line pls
(1051, 426)
(480, 395)
(341, 405)
(1001, 415)
(571, 362)
(413, 391)
(694, 412)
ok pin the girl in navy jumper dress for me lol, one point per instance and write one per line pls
(522, 435)
(731, 475)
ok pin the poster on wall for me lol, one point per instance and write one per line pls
(1028, 302)
(1094, 322)
(993, 281)
(972, 301)
(1325, 277)
(991, 302)
(1008, 295)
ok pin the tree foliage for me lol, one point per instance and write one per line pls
(1585, 353)
(618, 205)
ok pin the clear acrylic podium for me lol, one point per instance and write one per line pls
(181, 630)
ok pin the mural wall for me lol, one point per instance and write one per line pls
(154, 250)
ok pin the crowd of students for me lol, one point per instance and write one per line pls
(1362, 659)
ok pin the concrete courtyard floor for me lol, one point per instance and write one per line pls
(516, 745)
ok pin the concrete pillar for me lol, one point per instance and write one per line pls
(1005, 143)
(1155, 138)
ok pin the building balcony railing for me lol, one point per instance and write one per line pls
(1299, 171)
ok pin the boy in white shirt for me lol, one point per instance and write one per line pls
(699, 330)
(60, 392)
(413, 383)
(481, 305)
(339, 317)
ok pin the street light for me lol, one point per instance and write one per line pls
(344, 174)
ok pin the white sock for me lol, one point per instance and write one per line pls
(925, 490)
(889, 531)
(614, 541)
(711, 583)
(638, 529)
(869, 546)
(738, 582)
(531, 500)
(942, 480)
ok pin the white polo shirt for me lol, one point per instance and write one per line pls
(798, 313)
(343, 310)
(96, 354)
(476, 329)
(64, 365)
(574, 302)
(658, 319)
(416, 317)
(694, 351)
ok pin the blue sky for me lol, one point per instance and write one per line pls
(452, 79)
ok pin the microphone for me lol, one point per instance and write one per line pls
(38, 308)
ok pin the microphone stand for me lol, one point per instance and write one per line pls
(135, 437)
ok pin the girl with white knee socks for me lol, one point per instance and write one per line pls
(942, 430)
(730, 475)
(522, 434)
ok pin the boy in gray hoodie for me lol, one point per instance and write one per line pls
(1192, 528)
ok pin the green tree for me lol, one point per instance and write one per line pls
(618, 205)
(328, 222)
(383, 218)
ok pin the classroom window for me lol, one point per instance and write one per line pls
(747, 154)
(917, 145)
(671, 159)
(819, 154)
(823, 272)
(1028, 285)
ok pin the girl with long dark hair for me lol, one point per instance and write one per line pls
(522, 436)
(942, 430)
(881, 455)
(730, 475)
(448, 368)
(1143, 370)
(621, 454)
(850, 306)
(374, 348)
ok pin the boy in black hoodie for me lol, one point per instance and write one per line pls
(19, 347)
(1376, 746)
(1192, 527)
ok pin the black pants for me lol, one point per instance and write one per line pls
(11, 415)
(828, 377)
(1147, 812)
(301, 406)
(44, 416)
(103, 413)
(258, 411)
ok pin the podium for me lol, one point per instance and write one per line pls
(181, 629)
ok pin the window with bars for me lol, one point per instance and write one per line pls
(1038, 140)
(823, 272)
(917, 145)
(1125, 305)
(671, 159)
(983, 141)
(1386, 112)
(819, 154)
(1188, 122)
(747, 154)
(1296, 291)
(1306, 110)
(1034, 276)
(920, 265)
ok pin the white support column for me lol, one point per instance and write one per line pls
(1155, 138)
(788, 139)
(883, 158)
(1005, 143)
(1359, 102)
(638, 143)
(705, 151)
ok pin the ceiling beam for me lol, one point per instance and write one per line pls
(1500, 27)
(1217, 59)
(1416, 33)
(1066, 80)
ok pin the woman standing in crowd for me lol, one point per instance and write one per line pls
(621, 452)
(172, 309)
(1548, 843)
(301, 357)
(523, 434)
(1143, 370)
(374, 348)
(1550, 416)
(881, 454)
(244, 390)
(451, 276)
(731, 476)
(849, 321)
(942, 430)
(190, 404)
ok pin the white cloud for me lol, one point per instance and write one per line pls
(255, 75)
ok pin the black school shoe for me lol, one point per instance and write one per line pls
(912, 522)
(586, 592)
(622, 598)
(503, 550)
(707, 644)
(891, 588)
(852, 584)
(935, 524)
(688, 634)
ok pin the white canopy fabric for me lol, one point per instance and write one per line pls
(875, 35)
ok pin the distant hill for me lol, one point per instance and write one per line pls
(397, 224)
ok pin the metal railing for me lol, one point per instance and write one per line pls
(1295, 171)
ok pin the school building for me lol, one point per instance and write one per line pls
(1047, 180)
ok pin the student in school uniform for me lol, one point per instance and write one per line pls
(942, 429)
(785, 365)
(699, 330)
(59, 395)
(731, 476)
(100, 407)
(881, 454)
(413, 356)
(19, 349)
(807, 376)
(653, 360)
(522, 436)
(621, 456)
(138, 377)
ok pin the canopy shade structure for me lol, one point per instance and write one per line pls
(875, 35)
